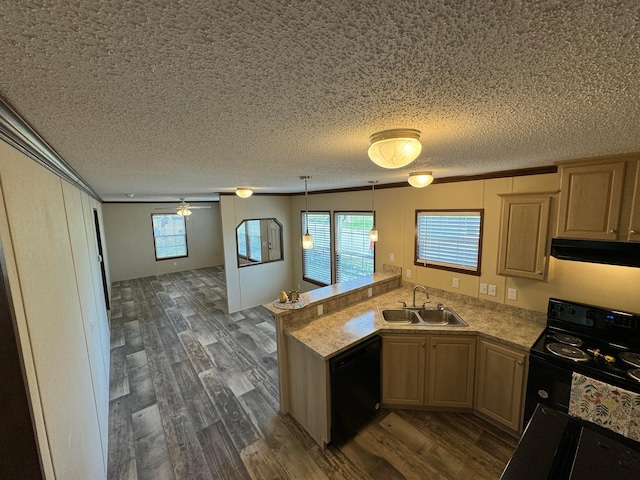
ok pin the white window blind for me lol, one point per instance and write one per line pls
(316, 262)
(169, 235)
(449, 239)
(242, 240)
(354, 250)
(253, 236)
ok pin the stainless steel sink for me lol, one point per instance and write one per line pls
(424, 316)
(446, 316)
(401, 315)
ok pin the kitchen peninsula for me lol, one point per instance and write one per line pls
(338, 317)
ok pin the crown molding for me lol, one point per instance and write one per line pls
(15, 131)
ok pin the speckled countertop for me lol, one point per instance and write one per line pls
(332, 334)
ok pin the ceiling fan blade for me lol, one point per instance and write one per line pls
(191, 207)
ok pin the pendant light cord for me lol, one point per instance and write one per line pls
(373, 211)
(306, 202)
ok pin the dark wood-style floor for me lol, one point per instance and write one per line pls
(194, 395)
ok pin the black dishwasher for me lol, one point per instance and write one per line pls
(355, 388)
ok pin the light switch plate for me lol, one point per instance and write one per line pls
(483, 288)
(456, 283)
(370, 292)
(392, 257)
(512, 294)
(492, 290)
(320, 309)
(408, 273)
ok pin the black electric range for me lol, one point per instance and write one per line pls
(602, 343)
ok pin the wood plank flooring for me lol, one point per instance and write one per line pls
(194, 395)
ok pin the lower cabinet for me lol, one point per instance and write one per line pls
(451, 365)
(500, 383)
(428, 370)
(403, 369)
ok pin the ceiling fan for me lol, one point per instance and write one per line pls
(184, 208)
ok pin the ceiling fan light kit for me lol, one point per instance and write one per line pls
(184, 211)
(395, 148)
(184, 208)
(244, 192)
(420, 179)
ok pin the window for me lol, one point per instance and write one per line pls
(449, 239)
(354, 250)
(316, 263)
(249, 243)
(169, 235)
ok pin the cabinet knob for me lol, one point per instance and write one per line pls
(520, 362)
(538, 273)
(633, 232)
(613, 231)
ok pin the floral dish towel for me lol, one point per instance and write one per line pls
(606, 405)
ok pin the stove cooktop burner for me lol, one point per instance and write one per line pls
(630, 358)
(567, 351)
(634, 373)
(568, 339)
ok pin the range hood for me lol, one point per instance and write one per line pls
(596, 251)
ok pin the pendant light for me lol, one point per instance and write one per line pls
(373, 234)
(395, 148)
(307, 240)
(420, 179)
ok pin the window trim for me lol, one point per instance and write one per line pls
(334, 240)
(478, 271)
(186, 239)
(331, 247)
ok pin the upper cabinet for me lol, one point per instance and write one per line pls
(630, 217)
(599, 199)
(524, 235)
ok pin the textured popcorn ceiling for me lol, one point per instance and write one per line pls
(180, 97)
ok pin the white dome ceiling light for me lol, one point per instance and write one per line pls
(420, 179)
(395, 148)
(244, 192)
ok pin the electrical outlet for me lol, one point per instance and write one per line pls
(392, 257)
(370, 292)
(512, 294)
(320, 309)
(492, 290)
(483, 288)
(408, 273)
(456, 283)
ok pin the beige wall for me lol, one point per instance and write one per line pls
(129, 237)
(48, 235)
(256, 284)
(395, 218)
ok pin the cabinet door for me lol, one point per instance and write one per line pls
(403, 368)
(590, 200)
(524, 233)
(500, 383)
(633, 232)
(451, 365)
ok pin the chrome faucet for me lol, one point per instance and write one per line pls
(414, 294)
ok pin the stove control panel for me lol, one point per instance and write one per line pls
(591, 316)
